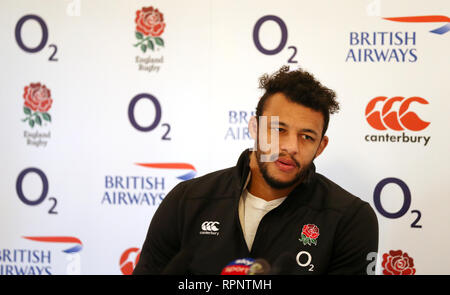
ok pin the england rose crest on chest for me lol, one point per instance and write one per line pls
(309, 235)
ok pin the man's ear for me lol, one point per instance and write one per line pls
(323, 144)
(253, 127)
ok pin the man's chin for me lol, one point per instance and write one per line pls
(276, 177)
(278, 183)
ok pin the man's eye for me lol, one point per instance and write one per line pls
(278, 129)
(307, 137)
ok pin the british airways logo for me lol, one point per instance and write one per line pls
(150, 190)
(237, 122)
(425, 19)
(38, 261)
(179, 166)
(65, 240)
(392, 46)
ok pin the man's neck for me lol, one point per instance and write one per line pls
(260, 188)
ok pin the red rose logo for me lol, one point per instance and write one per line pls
(310, 233)
(398, 263)
(150, 22)
(37, 103)
(149, 26)
(37, 97)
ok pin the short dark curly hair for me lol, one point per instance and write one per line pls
(300, 87)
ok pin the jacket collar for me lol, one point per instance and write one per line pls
(242, 170)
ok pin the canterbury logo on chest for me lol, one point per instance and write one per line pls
(210, 228)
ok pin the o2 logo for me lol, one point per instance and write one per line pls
(406, 201)
(304, 259)
(44, 37)
(156, 120)
(44, 193)
(283, 41)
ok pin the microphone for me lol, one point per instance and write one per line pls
(179, 264)
(259, 267)
(285, 264)
(238, 267)
(247, 266)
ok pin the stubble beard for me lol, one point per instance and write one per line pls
(272, 181)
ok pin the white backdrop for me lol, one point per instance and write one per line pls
(82, 178)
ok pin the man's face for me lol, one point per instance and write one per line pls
(299, 141)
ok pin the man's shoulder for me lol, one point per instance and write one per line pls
(334, 197)
(214, 184)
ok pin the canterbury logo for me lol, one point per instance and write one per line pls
(393, 119)
(210, 226)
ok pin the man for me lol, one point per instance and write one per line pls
(272, 205)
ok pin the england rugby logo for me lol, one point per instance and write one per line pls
(149, 27)
(310, 233)
(37, 103)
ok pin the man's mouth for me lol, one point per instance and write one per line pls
(285, 164)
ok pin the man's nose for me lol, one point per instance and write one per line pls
(289, 143)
